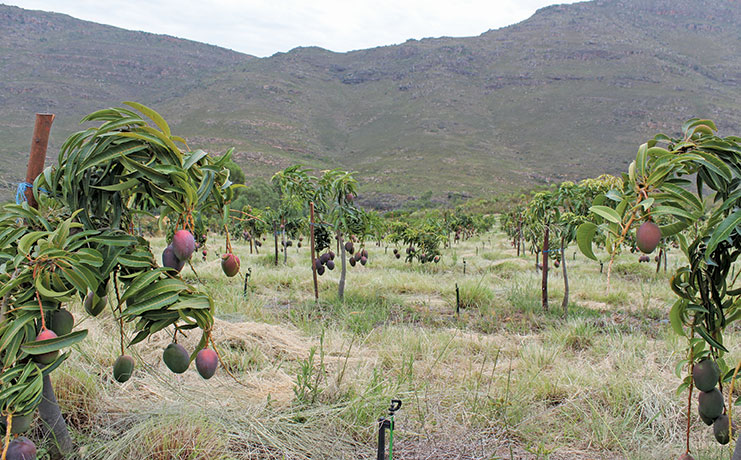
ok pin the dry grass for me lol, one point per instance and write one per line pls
(505, 380)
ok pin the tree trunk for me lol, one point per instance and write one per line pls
(313, 252)
(283, 242)
(53, 424)
(275, 238)
(252, 240)
(664, 261)
(341, 291)
(658, 263)
(544, 287)
(565, 303)
(519, 237)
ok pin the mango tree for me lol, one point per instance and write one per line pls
(573, 202)
(709, 297)
(540, 214)
(334, 197)
(421, 238)
(295, 190)
(76, 244)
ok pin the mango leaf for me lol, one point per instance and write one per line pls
(131, 183)
(606, 213)
(109, 154)
(584, 237)
(162, 286)
(715, 165)
(673, 211)
(141, 282)
(40, 347)
(709, 339)
(723, 231)
(151, 304)
(641, 158)
(154, 116)
(27, 241)
(194, 158)
(14, 328)
(675, 317)
(673, 229)
(647, 203)
(47, 292)
(197, 303)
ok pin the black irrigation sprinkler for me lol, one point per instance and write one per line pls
(387, 424)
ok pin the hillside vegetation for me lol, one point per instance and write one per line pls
(564, 94)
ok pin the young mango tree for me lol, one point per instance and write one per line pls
(709, 297)
(334, 197)
(76, 245)
(573, 202)
(296, 190)
(255, 226)
(541, 213)
(422, 239)
(511, 223)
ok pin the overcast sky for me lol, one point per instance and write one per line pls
(265, 27)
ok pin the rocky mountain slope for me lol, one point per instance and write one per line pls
(568, 93)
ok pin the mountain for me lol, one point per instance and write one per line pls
(566, 94)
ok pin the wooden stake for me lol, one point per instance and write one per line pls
(38, 152)
(544, 286)
(313, 259)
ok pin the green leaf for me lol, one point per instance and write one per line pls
(714, 164)
(683, 195)
(673, 229)
(90, 257)
(40, 347)
(27, 241)
(161, 287)
(141, 282)
(152, 304)
(606, 213)
(194, 158)
(709, 339)
(121, 150)
(76, 280)
(14, 328)
(647, 203)
(723, 231)
(673, 211)
(641, 158)
(120, 186)
(675, 317)
(584, 237)
(154, 116)
(47, 292)
(196, 303)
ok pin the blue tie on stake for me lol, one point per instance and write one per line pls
(20, 193)
(387, 424)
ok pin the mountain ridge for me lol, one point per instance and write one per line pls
(566, 94)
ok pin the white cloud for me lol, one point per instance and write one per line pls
(264, 27)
